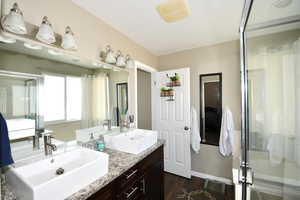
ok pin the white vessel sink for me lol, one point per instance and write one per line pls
(133, 141)
(39, 180)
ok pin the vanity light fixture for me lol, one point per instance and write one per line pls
(46, 33)
(14, 22)
(7, 40)
(32, 46)
(129, 62)
(54, 52)
(68, 40)
(121, 60)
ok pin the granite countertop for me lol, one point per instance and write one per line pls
(119, 162)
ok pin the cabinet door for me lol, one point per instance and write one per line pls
(154, 183)
(106, 193)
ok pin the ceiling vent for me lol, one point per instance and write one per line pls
(174, 10)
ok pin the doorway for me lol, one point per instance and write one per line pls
(144, 99)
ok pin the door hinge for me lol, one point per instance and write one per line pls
(248, 179)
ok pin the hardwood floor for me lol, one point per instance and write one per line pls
(195, 189)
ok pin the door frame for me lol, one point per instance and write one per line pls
(132, 88)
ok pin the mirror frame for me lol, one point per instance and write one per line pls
(201, 76)
(118, 110)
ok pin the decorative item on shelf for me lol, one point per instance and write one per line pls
(129, 62)
(167, 92)
(14, 22)
(170, 92)
(46, 33)
(174, 81)
(121, 60)
(163, 92)
(68, 40)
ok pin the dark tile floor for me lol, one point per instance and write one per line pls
(196, 189)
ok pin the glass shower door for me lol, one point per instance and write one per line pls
(271, 91)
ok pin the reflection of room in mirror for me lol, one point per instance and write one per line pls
(211, 107)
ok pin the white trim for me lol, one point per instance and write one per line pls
(142, 66)
(211, 177)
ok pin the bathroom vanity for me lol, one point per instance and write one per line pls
(129, 176)
(144, 180)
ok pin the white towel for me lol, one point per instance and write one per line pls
(226, 143)
(195, 134)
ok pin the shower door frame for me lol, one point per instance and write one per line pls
(39, 118)
(245, 173)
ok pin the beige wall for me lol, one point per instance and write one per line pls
(29, 64)
(92, 34)
(223, 58)
(64, 131)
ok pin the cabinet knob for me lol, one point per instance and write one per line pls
(186, 128)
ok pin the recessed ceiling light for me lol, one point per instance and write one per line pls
(32, 46)
(54, 52)
(7, 40)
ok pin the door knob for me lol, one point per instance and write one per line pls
(186, 128)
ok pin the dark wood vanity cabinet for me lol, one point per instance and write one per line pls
(144, 181)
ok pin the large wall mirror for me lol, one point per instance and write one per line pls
(48, 94)
(18, 103)
(210, 107)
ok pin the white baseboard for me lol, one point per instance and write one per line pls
(211, 177)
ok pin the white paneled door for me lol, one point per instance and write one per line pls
(172, 120)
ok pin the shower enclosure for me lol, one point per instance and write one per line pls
(270, 79)
(20, 104)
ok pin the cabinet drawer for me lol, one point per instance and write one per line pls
(133, 192)
(128, 177)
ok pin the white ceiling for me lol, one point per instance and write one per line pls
(211, 22)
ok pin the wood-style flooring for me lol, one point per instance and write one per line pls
(196, 189)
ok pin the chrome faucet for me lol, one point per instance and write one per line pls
(49, 147)
(107, 123)
(124, 125)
